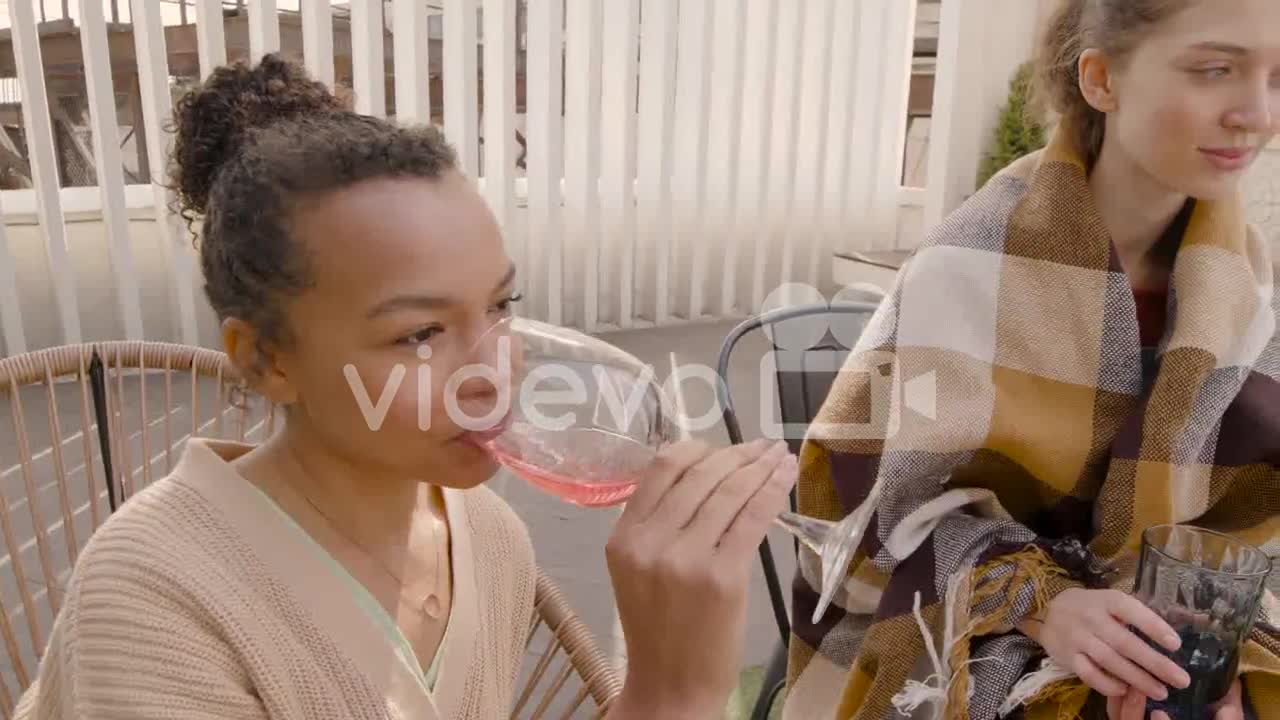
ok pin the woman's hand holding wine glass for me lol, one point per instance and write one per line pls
(681, 559)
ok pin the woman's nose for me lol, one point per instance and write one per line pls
(483, 383)
(1258, 113)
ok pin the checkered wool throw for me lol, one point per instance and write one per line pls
(1045, 430)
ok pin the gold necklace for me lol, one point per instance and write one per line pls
(430, 605)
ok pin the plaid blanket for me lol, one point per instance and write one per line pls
(1043, 428)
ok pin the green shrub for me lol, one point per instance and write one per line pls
(1017, 133)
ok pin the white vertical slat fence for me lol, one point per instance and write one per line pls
(210, 35)
(770, 267)
(745, 258)
(867, 89)
(582, 161)
(724, 128)
(545, 164)
(460, 82)
(654, 158)
(264, 28)
(620, 63)
(812, 153)
(682, 158)
(107, 159)
(368, 66)
(692, 105)
(500, 119)
(843, 154)
(157, 110)
(317, 39)
(412, 73)
(44, 170)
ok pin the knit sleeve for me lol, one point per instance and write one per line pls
(129, 645)
(507, 573)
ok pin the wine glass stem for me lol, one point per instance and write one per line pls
(811, 532)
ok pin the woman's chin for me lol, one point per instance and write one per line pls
(466, 466)
(1213, 186)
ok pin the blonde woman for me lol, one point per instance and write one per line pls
(1102, 326)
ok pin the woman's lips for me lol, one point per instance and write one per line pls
(481, 437)
(1229, 159)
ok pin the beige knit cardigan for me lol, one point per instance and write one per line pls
(195, 601)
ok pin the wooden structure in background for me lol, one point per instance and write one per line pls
(60, 49)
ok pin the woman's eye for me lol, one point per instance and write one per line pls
(1215, 72)
(504, 305)
(419, 337)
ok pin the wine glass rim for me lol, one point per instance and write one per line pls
(1147, 543)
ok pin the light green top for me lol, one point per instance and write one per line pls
(371, 606)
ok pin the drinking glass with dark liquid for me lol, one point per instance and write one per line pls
(1207, 586)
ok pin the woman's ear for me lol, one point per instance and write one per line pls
(1096, 81)
(256, 363)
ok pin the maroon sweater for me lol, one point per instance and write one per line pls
(1152, 311)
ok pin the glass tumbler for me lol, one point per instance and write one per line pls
(1207, 586)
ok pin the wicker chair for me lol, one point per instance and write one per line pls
(90, 425)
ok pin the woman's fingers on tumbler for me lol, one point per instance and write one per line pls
(1118, 666)
(1094, 677)
(1130, 611)
(1139, 652)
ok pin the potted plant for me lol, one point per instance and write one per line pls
(1017, 133)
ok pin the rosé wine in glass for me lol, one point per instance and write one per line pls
(587, 418)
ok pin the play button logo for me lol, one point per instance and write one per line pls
(920, 394)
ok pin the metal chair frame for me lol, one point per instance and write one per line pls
(796, 406)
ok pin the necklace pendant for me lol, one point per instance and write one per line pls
(432, 607)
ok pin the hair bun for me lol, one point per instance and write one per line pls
(213, 121)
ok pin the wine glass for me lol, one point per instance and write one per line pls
(585, 419)
(1207, 586)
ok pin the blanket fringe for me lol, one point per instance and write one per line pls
(951, 685)
(1031, 567)
(1051, 683)
(935, 689)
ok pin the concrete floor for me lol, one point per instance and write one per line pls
(569, 540)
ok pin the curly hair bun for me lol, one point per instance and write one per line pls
(213, 121)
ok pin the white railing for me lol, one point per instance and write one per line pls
(708, 151)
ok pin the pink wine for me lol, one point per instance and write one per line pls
(585, 466)
(593, 493)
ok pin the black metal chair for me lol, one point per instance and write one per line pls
(809, 344)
